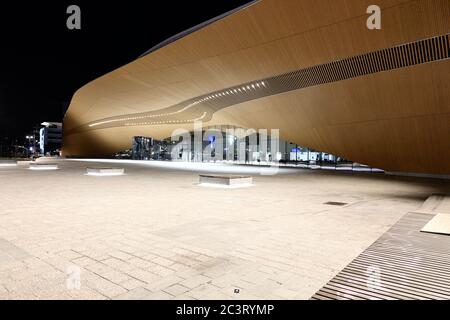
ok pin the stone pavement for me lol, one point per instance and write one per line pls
(154, 234)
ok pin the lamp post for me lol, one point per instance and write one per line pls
(28, 149)
(30, 144)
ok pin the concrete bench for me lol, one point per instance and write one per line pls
(43, 166)
(8, 163)
(226, 180)
(344, 168)
(105, 171)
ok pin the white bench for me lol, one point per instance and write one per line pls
(105, 171)
(43, 166)
(8, 163)
(225, 180)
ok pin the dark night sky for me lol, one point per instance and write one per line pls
(43, 63)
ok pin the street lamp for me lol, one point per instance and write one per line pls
(30, 144)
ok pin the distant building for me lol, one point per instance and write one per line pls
(50, 138)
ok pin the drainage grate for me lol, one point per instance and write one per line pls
(402, 264)
(335, 203)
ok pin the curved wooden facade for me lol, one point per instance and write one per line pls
(383, 98)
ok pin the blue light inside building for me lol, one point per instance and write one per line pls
(212, 139)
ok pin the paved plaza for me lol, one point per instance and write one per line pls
(153, 233)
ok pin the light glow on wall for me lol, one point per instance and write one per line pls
(197, 101)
